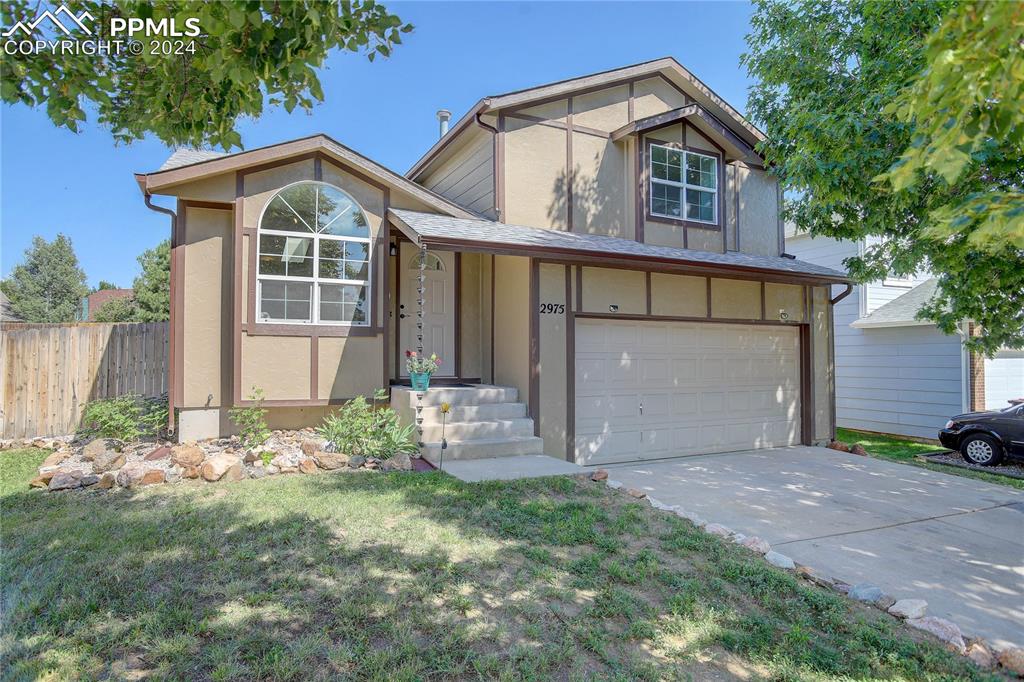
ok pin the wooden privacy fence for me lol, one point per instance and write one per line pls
(50, 371)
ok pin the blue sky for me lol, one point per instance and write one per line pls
(82, 184)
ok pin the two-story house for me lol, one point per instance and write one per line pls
(598, 261)
(898, 374)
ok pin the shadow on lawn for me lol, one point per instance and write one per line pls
(407, 576)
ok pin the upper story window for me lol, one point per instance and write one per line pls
(684, 185)
(314, 258)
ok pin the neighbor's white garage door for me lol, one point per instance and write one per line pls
(647, 390)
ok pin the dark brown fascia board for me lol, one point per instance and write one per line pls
(703, 120)
(151, 183)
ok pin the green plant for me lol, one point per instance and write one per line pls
(368, 429)
(126, 417)
(421, 364)
(267, 457)
(251, 421)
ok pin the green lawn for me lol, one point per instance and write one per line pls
(905, 451)
(411, 577)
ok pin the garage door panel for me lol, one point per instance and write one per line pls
(704, 387)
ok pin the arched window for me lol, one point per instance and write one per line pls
(314, 258)
(432, 262)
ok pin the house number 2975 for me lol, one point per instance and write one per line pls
(552, 308)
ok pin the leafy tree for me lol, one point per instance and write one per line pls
(830, 75)
(249, 54)
(104, 285)
(117, 310)
(49, 285)
(152, 300)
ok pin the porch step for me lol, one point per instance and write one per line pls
(473, 430)
(456, 395)
(481, 448)
(468, 413)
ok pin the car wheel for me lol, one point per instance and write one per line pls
(981, 449)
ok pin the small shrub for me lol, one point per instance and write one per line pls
(251, 421)
(126, 417)
(370, 430)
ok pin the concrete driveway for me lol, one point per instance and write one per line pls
(956, 542)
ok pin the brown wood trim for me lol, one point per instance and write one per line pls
(458, 313)
(630, 104)
(308, 330)
(707, 284)
(236, 331)
(314, 367)
(398, 312)
(277, 163)
(676, 318)
(296, 402)
(318, 167)
(736, 191)
(570, 180)
(579, 288)
(351, 170)
(439, 381)
(560, 125)
(493, 266)
(384, 319)
(763, 316)
(209, 205)
(806, 387)
(655, 122)
(570, 370)
(499, 169)
(720, 194)
(535, 344)
(647, 284)
(582, 91)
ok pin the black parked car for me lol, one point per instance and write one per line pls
(986, 437)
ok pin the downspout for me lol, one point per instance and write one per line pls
(843, 294)
(494, 153)
(170, 342)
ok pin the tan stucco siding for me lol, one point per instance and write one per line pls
(784, 302)
(606, 109)
(261, 186)
(535, 175)
(606, 287)
(823, 373)
(735, 299)
(245, 277)
(759, 211)
(654, 96)
(466, 177)
(348, 367)
(486, 317)
(679, 295)
(600, 186)
(697, 140)
(218, 188)
(731, 173)
(549, 111)
(207, 308)
(511, 324)
(280, 365)
(553, 379)
(470, 331)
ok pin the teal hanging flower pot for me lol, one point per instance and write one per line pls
(420, 380)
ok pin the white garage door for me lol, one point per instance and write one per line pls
(647, 390)
(1004, 378)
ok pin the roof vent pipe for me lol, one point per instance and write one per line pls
(443, 116)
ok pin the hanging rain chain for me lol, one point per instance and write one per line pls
(419, 336)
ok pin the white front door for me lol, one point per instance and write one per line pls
(438, 306)
(649, 390)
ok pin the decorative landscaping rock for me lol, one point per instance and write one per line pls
(98, 446)
(866, 592)
(330, 460)
(190, 472)
(161, 452)
(946, 631)
(356, 461)
(1013, 660)
(54, 459)
(638, 494)
(779, 560)
(131, 474)
(309, 448)
(107, 481)
(980, 654)
(187, 455)
(66, 480)
(400, 461)
(308, 466)
(42, 480)
(756, 544)
(172, 475)
(599, 475)
(89, 480)
(614, 485)
(719, 530)
(215, 468)
(838, 445)
(108, 460)
(858, 449)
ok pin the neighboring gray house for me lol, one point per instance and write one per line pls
(894, 373)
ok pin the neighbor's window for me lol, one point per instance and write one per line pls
(314, 258)
(684, 185)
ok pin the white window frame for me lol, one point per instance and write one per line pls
(316, 280)
(682, 185)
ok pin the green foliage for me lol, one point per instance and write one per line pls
(362, 428)
(251, 421)
(827, 73)
(104, 285)
(967, 108)
(153, 286)
(127, 417)
(117, 310)
(49, 285)
(248, 54)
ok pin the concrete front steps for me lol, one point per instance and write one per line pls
(483, 422)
